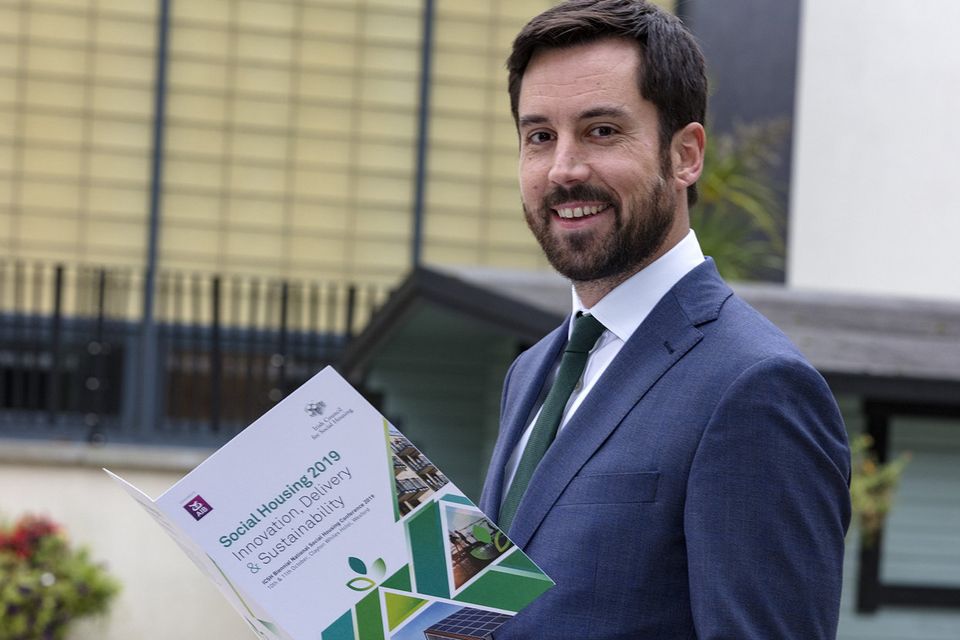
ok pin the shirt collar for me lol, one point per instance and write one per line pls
(623, 309)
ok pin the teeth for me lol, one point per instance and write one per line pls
(579, 212)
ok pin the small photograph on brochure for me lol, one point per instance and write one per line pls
(416, 477)
(443, 621)
(474, 542)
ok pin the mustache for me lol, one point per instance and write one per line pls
(587, 192)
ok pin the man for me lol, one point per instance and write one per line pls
(696, 486)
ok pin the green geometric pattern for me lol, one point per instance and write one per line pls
(428, 544)
(369, 617)
(400, 580)
(511, 589)
(341, 629)
(519, 560)
(458, 499)
(400, 607)
(509, 582)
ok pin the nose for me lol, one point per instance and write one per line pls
(569, 166)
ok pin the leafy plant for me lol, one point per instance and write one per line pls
(45, 584)
(872, 487)
(739, 220)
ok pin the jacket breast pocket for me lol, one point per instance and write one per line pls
(611, 488)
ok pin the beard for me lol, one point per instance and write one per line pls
(588, 255)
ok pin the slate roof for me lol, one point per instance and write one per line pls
(899, 349)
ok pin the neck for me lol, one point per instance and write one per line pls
(591, 292)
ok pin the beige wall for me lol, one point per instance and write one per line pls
(290, 139)
(164, 595)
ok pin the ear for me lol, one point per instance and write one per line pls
(686, 151)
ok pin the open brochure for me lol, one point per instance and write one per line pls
(321, 520)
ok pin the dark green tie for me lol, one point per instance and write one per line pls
(586, 332)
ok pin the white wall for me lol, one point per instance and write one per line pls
(164, 595)
(875, 199)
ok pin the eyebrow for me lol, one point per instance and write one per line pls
(596, 112)
(533, 119)
(602, 112)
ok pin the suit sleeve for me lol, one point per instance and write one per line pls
(767, 508)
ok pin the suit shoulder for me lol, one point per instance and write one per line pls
(741, 341)
(741, 324)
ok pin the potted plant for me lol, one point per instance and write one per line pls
(739, 219)
(872, 487)
(45, 584)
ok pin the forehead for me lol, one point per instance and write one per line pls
(603, 70)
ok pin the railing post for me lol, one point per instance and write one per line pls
(351, 310)
(216, 363)
(282, 341)
(34, 336)
(312, 334)
(4, 325)
(17, 383)
(194, 401)
(53, 390)
(94, 382)
(253, 313)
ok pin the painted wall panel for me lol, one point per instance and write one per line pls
(874, 208)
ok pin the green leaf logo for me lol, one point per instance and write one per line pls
(361, 582)
(379, 568)
(357, 565)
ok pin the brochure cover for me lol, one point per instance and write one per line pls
(321, 520)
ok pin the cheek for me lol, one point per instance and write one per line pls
(529, 191)
(627, 174)
(531, 182)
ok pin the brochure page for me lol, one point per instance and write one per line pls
(321, 520)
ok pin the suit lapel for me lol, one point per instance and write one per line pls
(523, 388)
(668, 333)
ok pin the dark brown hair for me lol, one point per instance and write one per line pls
(672, 72)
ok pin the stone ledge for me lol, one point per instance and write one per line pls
(113, 456)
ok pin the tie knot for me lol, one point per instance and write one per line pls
(586, 331)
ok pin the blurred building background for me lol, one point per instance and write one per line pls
(207, 183)
(202, 203)
(275, 139)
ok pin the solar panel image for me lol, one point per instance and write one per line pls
(466, 624)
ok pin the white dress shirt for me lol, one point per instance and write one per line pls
(621, 311)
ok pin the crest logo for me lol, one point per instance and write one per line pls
(198, 507)
(315, 409)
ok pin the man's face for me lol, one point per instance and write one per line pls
(591, 176)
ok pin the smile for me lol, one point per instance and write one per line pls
(579, 212)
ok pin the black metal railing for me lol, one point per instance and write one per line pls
(228, 348)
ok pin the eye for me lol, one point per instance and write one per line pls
(539, 137)
(602, 131)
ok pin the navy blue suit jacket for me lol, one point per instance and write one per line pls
(699, 491)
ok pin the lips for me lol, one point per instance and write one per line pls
(580, 210)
